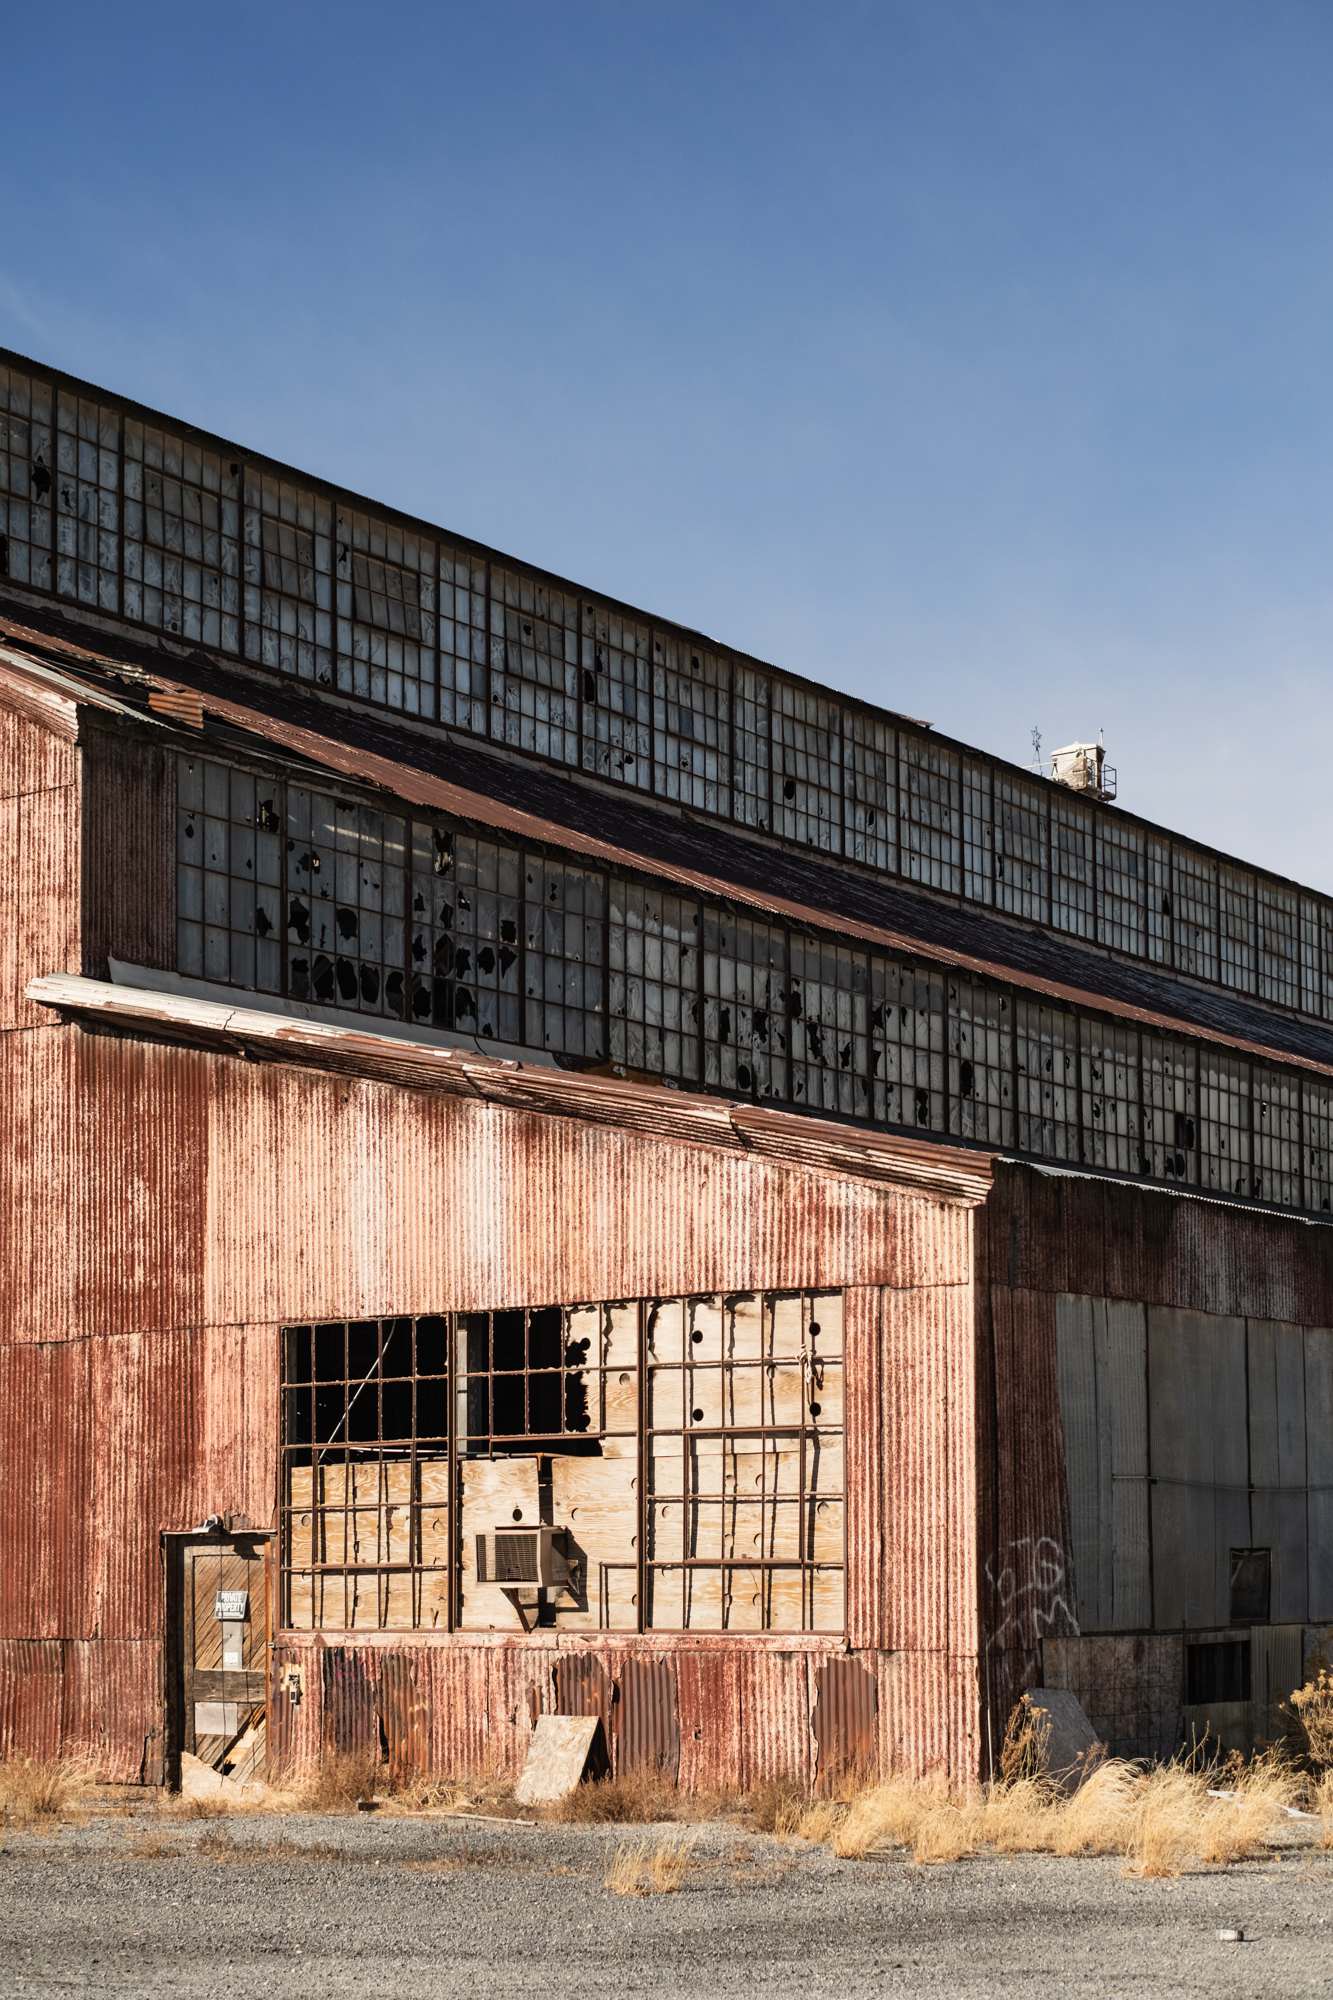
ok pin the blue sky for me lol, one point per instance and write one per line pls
(972, 357)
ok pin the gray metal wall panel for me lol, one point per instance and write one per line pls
(1200, 1460)
(1122, 1392)
(1277, 1461)
(1275, 1669)
(1101, 1347)
(1319, 1454)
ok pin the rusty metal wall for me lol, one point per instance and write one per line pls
(176, 1206)
(706, 1712)
(196, 1189)
(129, 853)
(40, 785)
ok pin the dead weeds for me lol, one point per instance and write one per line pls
(648, 1868)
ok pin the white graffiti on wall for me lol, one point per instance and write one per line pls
(1027, 1581)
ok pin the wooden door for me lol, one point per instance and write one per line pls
(224, 1649)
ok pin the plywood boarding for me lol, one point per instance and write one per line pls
(1200, 1456)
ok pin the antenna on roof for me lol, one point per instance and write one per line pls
(1036, 748)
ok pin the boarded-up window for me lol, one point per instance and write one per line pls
(745, 1463)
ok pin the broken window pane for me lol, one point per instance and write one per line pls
(182, 537)
(385, 593)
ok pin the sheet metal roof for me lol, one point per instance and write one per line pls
(431, 771)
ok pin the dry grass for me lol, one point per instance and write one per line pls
(1322, 1803)
(643, 1798)
(649, 1868)
(42, 1791)
(339, 1784)
(1313, 1708)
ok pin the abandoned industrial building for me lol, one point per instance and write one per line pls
(552, 1167)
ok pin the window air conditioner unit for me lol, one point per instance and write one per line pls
(538, 1557)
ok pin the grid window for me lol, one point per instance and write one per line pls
(978, 833)
(1046, 1060)
(654, 975)
(228, 876)
(617, 697)
(1122, 889)
(1224, 1122)
(807, 768)
(367, 1539)
(907, 1045)
(463, 642)
(870, 790)
(385, 594)
(929, 813)
(27, 458)
(1171, 1109)
(534, 666)
(828, 1008)
(1112, 1124)
(1317, 958)
(691, 726)
(1277, 1136)
(346, 878)
(87, 496)
(1071, 866)
(751, 799)
(564, 916)
(1021, 871)
(1235, 890)
(1317, 1118)
(1277, 922)
(1159, 904)
(981, 1063)
(1194, 913)
(464, 935)
(182, 538)
(745, 1019)
(745, 1463)
(287, 565)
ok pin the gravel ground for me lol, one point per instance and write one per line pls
(158, 1904)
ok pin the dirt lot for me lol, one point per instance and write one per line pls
(140, 1902)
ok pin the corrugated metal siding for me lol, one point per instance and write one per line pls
(930, 1572)
(129, 852)
(75, 1698)
(39, 857)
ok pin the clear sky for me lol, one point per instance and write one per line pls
(973, 357)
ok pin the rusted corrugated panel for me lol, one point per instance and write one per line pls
(98, 1699)
(648, 1718)
(39, 851)
(867, 1529)
(403, 1716)
(47, 1445)
(844, 1721)
(930, 1715)
(350, 1702)
(129, 853)
(104, 1159)
(1025, 1585)
(930, 1414)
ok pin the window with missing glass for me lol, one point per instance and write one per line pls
(682, 1458)
(306, 893)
